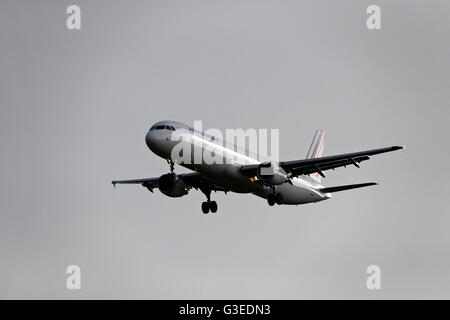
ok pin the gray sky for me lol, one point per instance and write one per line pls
(76, 106)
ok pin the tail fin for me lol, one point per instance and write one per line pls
(316, 151)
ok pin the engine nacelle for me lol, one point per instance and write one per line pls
(171, 185)
(270, 173)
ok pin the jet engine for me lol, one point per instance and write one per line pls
(171, 185)
(271, 173)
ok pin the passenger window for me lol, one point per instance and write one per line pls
(159, 127)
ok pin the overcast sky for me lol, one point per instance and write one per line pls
(76, 105)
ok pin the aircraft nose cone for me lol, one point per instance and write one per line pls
(157, 143)
(150, 140)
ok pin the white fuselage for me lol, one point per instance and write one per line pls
(226, 173)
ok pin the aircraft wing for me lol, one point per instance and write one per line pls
(149, 183)
(192, 179)
(308, 166)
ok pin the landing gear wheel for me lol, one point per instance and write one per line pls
(213, 206)
(278, 198)
(271, 199)
(208, 205)
(205, 207)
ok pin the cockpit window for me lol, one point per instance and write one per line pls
(160, 127)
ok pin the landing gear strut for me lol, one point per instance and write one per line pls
(271, 199)
(172, 165)
(208, 205)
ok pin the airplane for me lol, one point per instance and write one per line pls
(283, 183)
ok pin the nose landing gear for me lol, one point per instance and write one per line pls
(172, 165)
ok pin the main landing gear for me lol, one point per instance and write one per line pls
(208, 205)
(274, 197)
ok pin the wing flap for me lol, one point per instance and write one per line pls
(311, 168)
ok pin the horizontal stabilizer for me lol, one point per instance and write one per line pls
(347, 187)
